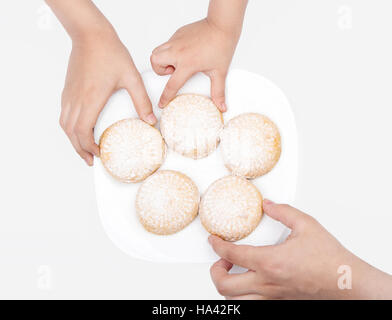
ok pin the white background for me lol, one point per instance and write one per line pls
(335, 70)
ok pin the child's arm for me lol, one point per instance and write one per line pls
(98, 66)
(205, 46)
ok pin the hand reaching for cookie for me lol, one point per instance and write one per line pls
(96, 70)
(98, 66)
(305, 266)
(204, 46)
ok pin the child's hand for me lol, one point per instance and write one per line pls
(204, 46)
(307, 265)
(197, 47)
(98, 66)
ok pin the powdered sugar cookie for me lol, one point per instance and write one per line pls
(250, 145)
(231, 208)
(167, 202)
(191, 124)
(131, 150)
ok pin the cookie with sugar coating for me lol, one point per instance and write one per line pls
(250, 145)
(191, 124)
(167, 202)
(131, 150)
(231, 208)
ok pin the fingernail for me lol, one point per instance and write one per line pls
(267, 202)
(97, 152)
(89, 162)
(151, 119)
(223, 107)
(160, 104)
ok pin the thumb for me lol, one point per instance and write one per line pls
(241, 255)
(284, 213)
(135, 87)
(218, 83)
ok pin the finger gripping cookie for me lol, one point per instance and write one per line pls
(191, 124)
(231, 208)
(131, 150)
(167, 202)
(250, 145)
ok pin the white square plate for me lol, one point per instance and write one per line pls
(245, 92)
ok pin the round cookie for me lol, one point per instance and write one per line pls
(191, 124)
(131, 150)
(167, 202)
(231, 208)
(250, 145)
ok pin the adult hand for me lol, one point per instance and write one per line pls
(307, 265)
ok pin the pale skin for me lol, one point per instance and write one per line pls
(305, 266)
(100, 64)
(204, 46)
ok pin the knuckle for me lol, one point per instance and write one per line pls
(307, 221)
(218, 96)
(87, 145)
(222, 288)
(83, 155)
(155, 50)
(68, 129)
(154, 58)
(80, 153)
(62, 123)
(212, 271)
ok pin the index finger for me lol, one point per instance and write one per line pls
(137, 91)
(175, 83)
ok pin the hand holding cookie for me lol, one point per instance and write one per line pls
(98, 66)
(304, 266)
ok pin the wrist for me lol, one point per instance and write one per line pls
(356, 279)
(81, 19)
(96, 37)
(230, 29)
(372, 283)
(227, 15)
(92, 32)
